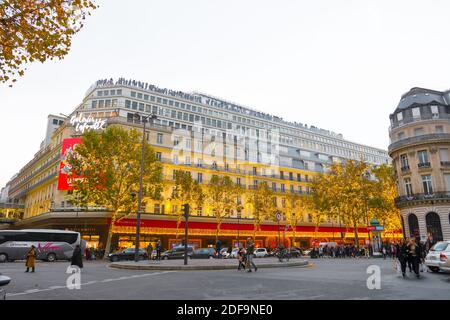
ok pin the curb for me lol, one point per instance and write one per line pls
(119, 265)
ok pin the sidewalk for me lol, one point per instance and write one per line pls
(205, 264)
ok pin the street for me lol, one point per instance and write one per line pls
(322, 279)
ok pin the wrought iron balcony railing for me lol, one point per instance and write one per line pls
(403, 200)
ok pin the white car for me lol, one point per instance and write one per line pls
(234, 253)
(260, 253)
(438, 257)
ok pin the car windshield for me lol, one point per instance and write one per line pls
(440, 246)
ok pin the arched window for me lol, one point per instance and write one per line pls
(434, 226)
(413, 223)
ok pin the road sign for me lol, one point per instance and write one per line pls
(278, 216)
(380, 228)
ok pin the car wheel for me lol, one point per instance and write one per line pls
(165, 258)
(3, 257)
(51, 257)
(114, 259)
(434, 269)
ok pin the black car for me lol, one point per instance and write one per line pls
(204, 253)
(176, 253)
(127, 254)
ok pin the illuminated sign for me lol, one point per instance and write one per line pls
(65, 180)
(82, 124)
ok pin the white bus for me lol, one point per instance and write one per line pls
(51, 245)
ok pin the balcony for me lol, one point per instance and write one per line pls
(405, 168)
(445, 163)
(423, 165)
(426, 138)
(421, 197)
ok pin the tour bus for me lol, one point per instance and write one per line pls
(51, 245)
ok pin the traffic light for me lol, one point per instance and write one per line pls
(186, 209)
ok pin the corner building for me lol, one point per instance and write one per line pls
(419, 146)
(201, 134)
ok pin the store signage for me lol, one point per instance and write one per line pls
(371, 228)
(65, 179)
(82, 124)
(380, 228)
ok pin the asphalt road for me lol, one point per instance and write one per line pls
(323, 279)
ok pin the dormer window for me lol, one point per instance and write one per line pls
(399, 116)
(416, 113)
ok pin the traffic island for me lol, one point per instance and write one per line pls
(204, 264)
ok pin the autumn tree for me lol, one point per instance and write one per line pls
(109, 166)
(186, 191)
(222, 194)
(296, 207)
(261, 201)
(37, 30)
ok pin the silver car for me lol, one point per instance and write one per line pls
(438, 257)
(4, 280)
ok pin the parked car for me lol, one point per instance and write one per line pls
(127, 254)
(438, 257)
(261, 253)
(176, 253)
(295, 253)
(224, 253)
(204, 253)
(4, 280)
(234, 253)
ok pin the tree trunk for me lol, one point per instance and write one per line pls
(294, 230)
(178, 227)
(110, 233)
(218, 230)
(355, 229)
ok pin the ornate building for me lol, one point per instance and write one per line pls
(193, 132)
(419, 146)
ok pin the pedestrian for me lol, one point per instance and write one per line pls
(31, 259)
(402, 255)
(149, 251)
(77, 259)
(384, 252)
(241, 257)
(218, 247)
(158, 250)
(415, 256)
(250, 250)
(88, 254)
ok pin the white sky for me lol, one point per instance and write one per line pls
(338, 65)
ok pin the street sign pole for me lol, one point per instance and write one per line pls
(186, 216)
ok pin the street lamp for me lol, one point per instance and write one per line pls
(239, 219)
(278, 216)
(144, 119)
(186, 217)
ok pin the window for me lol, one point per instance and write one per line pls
(254, 171)
(281, 175)
(113, 92)
(158, 156)
(159, 138)
(133, 94)
(99, 93)
(187, 160)
(127, 104)
(55, 121)
(423, 157)
(292, 188)
(416, 113)
(435, 111)
(119, 91)
(94, 104)
(404, 162)
(427, 184)
(283, 189)
(157, 208)
(299, 177)
(439, 129)
(408, 186)
(418, 131)
(238, 181)
(447, 182)
(400, 117)
(134, 105)
(274, 186)
(200, 177)
(443, 155)
(175, 159)
(101, 103)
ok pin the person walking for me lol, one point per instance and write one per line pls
(241, 257)
(384, 252)
(218, 247)
(31, 259)
(415, 256)
(77, 259)
(250, 254)
(158, 250)
(149, 251)
(402, 255)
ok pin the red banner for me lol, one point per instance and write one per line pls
(64, 181)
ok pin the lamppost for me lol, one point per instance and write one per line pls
(144, 119)
(186, 216)
(278, 216)
(239, 219)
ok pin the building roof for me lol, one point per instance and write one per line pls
(420, 96)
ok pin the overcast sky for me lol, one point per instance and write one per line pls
(338, 65)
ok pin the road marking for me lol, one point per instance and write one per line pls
(31, 291)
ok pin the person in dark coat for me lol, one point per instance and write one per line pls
(402, 255)
(77, 259)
